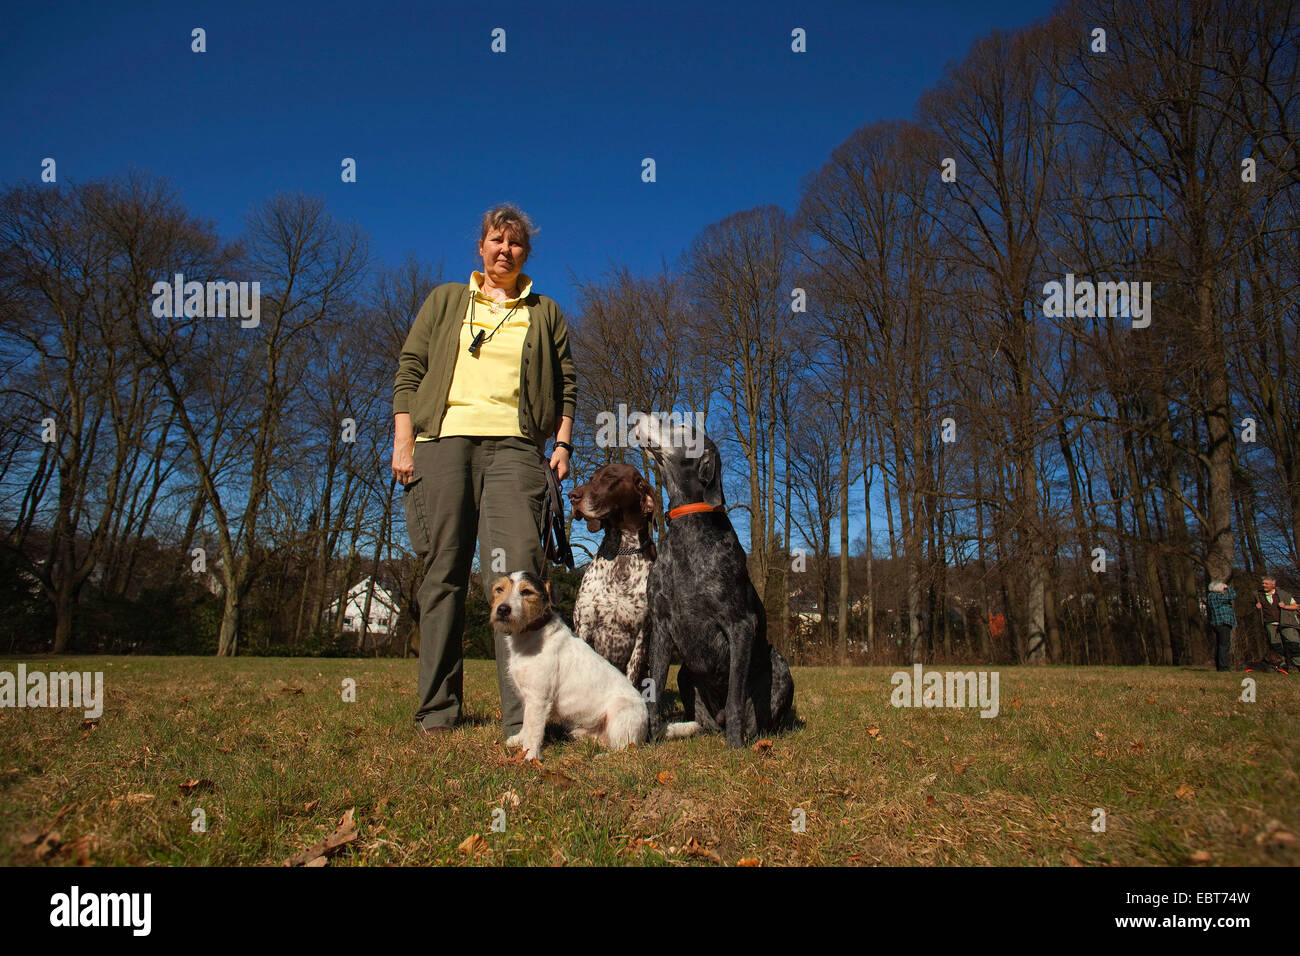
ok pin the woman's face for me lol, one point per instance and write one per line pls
(503, 257)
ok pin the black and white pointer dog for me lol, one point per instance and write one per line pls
(702, 603)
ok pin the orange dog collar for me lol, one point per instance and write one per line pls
(693, 510)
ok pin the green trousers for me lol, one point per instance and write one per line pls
(492, 490)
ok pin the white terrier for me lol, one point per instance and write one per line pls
(560, 678)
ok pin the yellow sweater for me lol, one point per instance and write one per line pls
(484, 395)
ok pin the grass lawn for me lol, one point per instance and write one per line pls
(1185, 772)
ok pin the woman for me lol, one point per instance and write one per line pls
(1223, 618)
(484, 379)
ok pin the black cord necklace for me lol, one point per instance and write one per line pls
(480, 337)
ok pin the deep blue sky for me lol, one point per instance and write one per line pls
(442, 128)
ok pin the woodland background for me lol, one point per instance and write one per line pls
(923, 303)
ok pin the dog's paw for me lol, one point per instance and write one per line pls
(533, 753)
(681, 730)
(513, 741)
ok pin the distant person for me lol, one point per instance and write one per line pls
(484, 380)
(1280, 615)
(1223, 618)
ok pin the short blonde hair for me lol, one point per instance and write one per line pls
(513, 221)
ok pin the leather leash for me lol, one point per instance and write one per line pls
(554, 538)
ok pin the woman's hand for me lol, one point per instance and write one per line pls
(404, 463)
(403, 448)
(560, 462)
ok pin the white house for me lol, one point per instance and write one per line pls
(383, 609)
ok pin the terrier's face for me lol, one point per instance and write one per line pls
(520, 602)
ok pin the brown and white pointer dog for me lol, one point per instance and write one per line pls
(609, 613)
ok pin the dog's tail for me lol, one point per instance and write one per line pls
(628, 725)
(680, 730)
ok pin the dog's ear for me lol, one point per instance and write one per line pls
(707, 467)
(649, 500)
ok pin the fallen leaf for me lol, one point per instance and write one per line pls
(472, 844)
(1016, 703)
(598, 794)
(48, 844)
(1151, 700)
(509, 799)
(1099, 735)
(749, 861)
(309, 807)
(556, 777)
(1201, 856)
(319, 861)
(1275, 835)
(197, 786)
(1185, 792)
(131, 799)
(873, 731)
(960, 768)
(762, 747)
(343, 834)
(929, 780)
(90, 724)
(929, 800)
(665, 778)
(1071, 861)
(693, 847)
(1136, 746)
(291, 690)
(81, 848)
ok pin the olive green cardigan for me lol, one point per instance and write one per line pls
(548, 381)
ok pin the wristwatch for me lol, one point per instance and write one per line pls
(565, 445)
